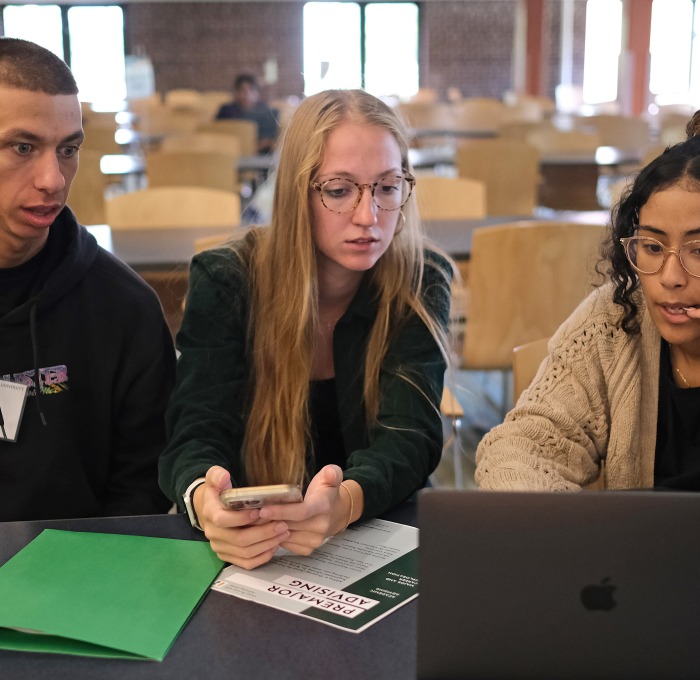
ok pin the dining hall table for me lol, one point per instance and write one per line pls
(227, 637)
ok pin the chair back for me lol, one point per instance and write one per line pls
(554, 142)
(183, 99)
(87, 192)
(623, 132)
(527, 358)
(208, 142)
(161, 120)
(191, 168)
(509, 168)
(480, 114)
(525, 279)
(101, 139)
(427, 115)
(245, 130)
(173, 207)
(450, 198)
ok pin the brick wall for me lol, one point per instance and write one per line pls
(465, 44)
(203, 45)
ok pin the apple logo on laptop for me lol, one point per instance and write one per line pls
(599, 596)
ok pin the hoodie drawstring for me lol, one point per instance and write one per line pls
(35, 355)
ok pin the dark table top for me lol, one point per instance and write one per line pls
(227, 637)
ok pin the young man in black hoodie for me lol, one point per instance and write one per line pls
(80, 329)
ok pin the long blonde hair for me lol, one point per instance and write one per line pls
(284, 305)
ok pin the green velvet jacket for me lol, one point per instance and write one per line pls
(207, 411)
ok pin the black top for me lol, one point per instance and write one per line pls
(326, 432)
(87, 336)
(677, 463)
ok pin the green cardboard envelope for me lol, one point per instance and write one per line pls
(107, 595)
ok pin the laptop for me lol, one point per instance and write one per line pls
(565, 586)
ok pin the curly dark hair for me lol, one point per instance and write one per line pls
(677, 165)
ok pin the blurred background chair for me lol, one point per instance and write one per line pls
(203, 142)
(623, 132)
(509, 168)
(553, 142)
(87, 192)
(480, 114)
(173, 207)
(450, 198)
(245, 130)
(154, 213)
(192, 168)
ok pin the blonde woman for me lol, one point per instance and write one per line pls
(314, 350)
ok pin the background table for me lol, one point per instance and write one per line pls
(227, 638)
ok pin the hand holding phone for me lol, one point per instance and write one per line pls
(251, 497)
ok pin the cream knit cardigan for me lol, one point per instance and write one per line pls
(594, 399)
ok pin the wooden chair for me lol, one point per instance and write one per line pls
(174, 207)
(527, 358)
(154, 212)
(192, 168)
(101, 139)
(525, 279)
(160, 120)
(183, 99)
(623, 132)
(554, 142)
(87, 193)
(245, 130)
(211, 101)
(482, 114)
(509, 168)
(203, 142)
(450, 198)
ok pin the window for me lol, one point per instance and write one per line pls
(671, 49)
(372, 45)
(41, 24)
(95, 43)
(602, 50)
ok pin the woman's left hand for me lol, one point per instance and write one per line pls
(325, 511)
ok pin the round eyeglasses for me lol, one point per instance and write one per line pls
(648, 256)
(341, 195)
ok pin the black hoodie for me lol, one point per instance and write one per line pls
(90, 334)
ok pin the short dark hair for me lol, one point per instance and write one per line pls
(28, 66)
(678, 165)
(244, 78)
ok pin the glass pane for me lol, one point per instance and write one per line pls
(602, 50)
(97, 54)
(331, 46)
(695, 65)
(391, 49)
(671, 35)
(39, 23)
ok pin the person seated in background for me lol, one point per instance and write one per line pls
(313, 351)
(81, 330)
(247, 105)
(620, 388)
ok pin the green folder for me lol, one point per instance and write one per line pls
(108, 595)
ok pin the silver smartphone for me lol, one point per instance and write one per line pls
(251, 497)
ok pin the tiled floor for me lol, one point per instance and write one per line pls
(480, 394)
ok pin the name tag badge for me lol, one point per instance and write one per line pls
(13, 397)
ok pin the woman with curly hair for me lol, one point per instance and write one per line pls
(313, 351)
(620, 389)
